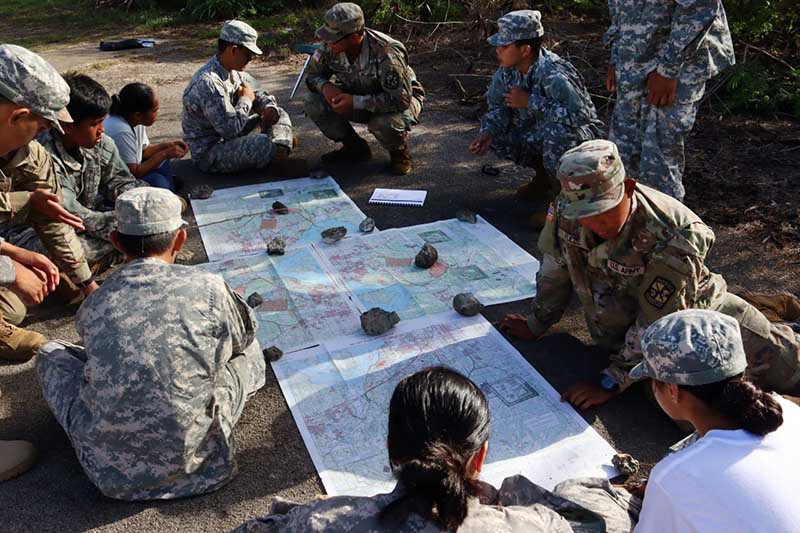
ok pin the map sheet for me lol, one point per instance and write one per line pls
(339, 394)
(239, 221)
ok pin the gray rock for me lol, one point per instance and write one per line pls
(625, 463)
(427, 256)
(272, 354)
(276, 246)
(331, 235)
(466, 304)
(280, 208)
(201, 192)
(367, 225)
(465, 215)
(377, 321)
(254, 300)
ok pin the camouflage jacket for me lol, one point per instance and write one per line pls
(654, 267)
(687, 39)
(212, 111)
(558, 96)
(380, 79)
(150, 422)
(91, 179)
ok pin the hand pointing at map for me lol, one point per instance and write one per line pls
(516, 325)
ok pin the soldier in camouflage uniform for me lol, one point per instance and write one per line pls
(223, 109)
(151, 400)
(662, 54)
(538, 105)
(632, 255)
(373, 85)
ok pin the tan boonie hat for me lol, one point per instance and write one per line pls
(340, 21)
(29, 81)
(148, 211)
(241, 33)
(592, 179)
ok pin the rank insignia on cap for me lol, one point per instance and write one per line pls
(659, 292)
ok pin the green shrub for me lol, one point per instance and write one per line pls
(220, 9)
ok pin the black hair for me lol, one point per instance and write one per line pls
(222, 45)
(87, 98)
(750, 407)
(133, 98)
(535, 44)
(438, 419)
(146, 245)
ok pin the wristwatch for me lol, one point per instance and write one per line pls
(608, 383)
(84, 284)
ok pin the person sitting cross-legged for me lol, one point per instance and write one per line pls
(169, 360)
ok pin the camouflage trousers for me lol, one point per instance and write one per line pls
(388, 128)
(254, 149)
(651, 138)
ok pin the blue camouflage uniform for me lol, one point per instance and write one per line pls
(687, 40)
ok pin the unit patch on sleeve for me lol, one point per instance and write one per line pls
(659, 292)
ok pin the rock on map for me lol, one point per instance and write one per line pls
(239, 221)
(339, 396)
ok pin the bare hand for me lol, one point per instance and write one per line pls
(175, 152)
(247, 92)
(48, 204)
(587, 394)
(183, 146)
(481, 144)
(329, 90)
(611, 79)
(30, 284)
(342, 103)
(660, 90)
(270, 116)
(89, 289)
(516, 325)
(517, 97)
(33, 260)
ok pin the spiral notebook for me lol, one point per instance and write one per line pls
(398, 197)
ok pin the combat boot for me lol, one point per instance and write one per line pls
(16, 456)
(283, 152)
(354, 150)
(401, 162)
(18, 345)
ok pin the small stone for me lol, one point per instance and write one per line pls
(254, 300)
(367, 225)
(276, 246)
(273, 353)
(625, 463)
(465, 215)
(427, 256)
(331, 235)
(280, 208)
(201, 192)
(466, 304)
(377, 321)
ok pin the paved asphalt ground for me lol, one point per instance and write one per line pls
(56, 496)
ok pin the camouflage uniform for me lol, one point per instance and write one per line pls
(688, 41)
(655, 266)
(219, 126)
(11, 307)
(150, 402)
(386, 94)
(560, 114)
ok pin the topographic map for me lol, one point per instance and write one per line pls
(379, 269)
(240, 221)
(302, 303)
(339, 396)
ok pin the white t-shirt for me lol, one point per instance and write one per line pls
(130, 141)
(729, 481)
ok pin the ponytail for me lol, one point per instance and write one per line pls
(750, 407)
(133, 98)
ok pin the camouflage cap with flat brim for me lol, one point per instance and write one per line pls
(592, 179)
(515, 26)
(148, 211)
(341, 20)
(241, 34)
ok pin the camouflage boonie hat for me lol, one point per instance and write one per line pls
(340, 21)
(692, 347)
(148, 211)
(241, 33)
(29, 81)
(592, 179)
(517, 26)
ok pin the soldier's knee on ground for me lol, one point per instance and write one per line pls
(315, 106)
(390, 130)
(12, 309)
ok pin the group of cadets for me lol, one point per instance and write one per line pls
(150, 398)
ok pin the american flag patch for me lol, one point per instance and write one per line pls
(551, 212)
(317, 55)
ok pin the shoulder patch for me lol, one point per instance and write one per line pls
(317, 54)
(659, 292)
(391, 80)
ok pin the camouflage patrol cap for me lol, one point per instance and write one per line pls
(592, 179)
(517, 26)
(29, 81)
(341, 20)
(692, 347)
(241, 33)
(148, 211)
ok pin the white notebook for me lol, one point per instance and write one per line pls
(398, 197)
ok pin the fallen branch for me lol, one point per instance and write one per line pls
(427, 23)
(767, 54)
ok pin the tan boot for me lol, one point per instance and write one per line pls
(401, 163)
(777, 307)
(16, 456)
(18, 345)
(353, 150)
